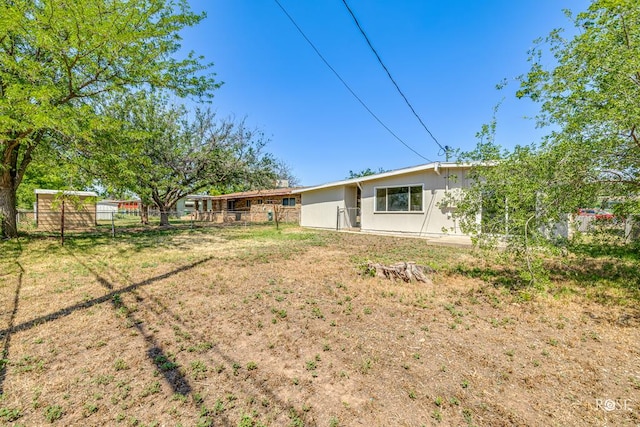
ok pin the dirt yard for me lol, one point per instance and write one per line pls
(257, 327)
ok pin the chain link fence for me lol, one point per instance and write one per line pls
(54, 222)
(220, 217)
(627, 229)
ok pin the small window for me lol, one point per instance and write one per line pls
(248, 203)
(289, 201)
(259, 201)
(399, 199)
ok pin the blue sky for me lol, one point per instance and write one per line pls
(446, 56)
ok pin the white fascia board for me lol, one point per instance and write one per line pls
(396, 172)
(68, 192)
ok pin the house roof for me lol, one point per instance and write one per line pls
(244, 194)
(68, 192)
(436, 166)
(107, 202)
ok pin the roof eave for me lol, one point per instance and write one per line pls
(396, 172)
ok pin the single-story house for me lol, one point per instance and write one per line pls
(79, 209)
(253, 206)
(128, 206)
(106, 210)
(404, 201)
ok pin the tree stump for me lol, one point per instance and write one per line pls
(405, 271)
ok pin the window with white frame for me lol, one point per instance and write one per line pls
(289, 201)
(399, 199)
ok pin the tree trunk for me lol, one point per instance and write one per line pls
(8, 212)
(144, 213)
(164, 215)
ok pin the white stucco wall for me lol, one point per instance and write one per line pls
(319, 207)
(432, 220)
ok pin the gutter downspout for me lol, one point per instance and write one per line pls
(359, 210)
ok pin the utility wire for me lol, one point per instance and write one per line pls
(445, 149)
(346, 85)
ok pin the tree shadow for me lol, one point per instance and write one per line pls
(95, 301)
(173, 377)
(503, 277)
(170, 371)
(4, 357)
(165, 365)
(629, 252)
(178, 382)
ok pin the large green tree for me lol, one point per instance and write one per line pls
(162, 153)
(57, 56)
(590, 95)
(51, 168)
(588, 88)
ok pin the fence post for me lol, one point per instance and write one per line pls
(337, 218)
(62, 224)
(113, 226)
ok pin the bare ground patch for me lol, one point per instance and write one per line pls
(250, 327)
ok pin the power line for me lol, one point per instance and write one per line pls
(445, 149)
(345, 83)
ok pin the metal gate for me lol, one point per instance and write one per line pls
(347, 218)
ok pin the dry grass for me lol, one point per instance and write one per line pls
(250, 326)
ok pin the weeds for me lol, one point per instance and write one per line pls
(468, 416)
(248, 421)
(164, 363)
(201, 347)
(153, 388)
(315, 311)
(90, 408)
(53, 413)
(296, 421)
(366, 365)
(120, 365)
(28, 364)
(8, 415)
(236, 369)
(198, 369)
(282, 314)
